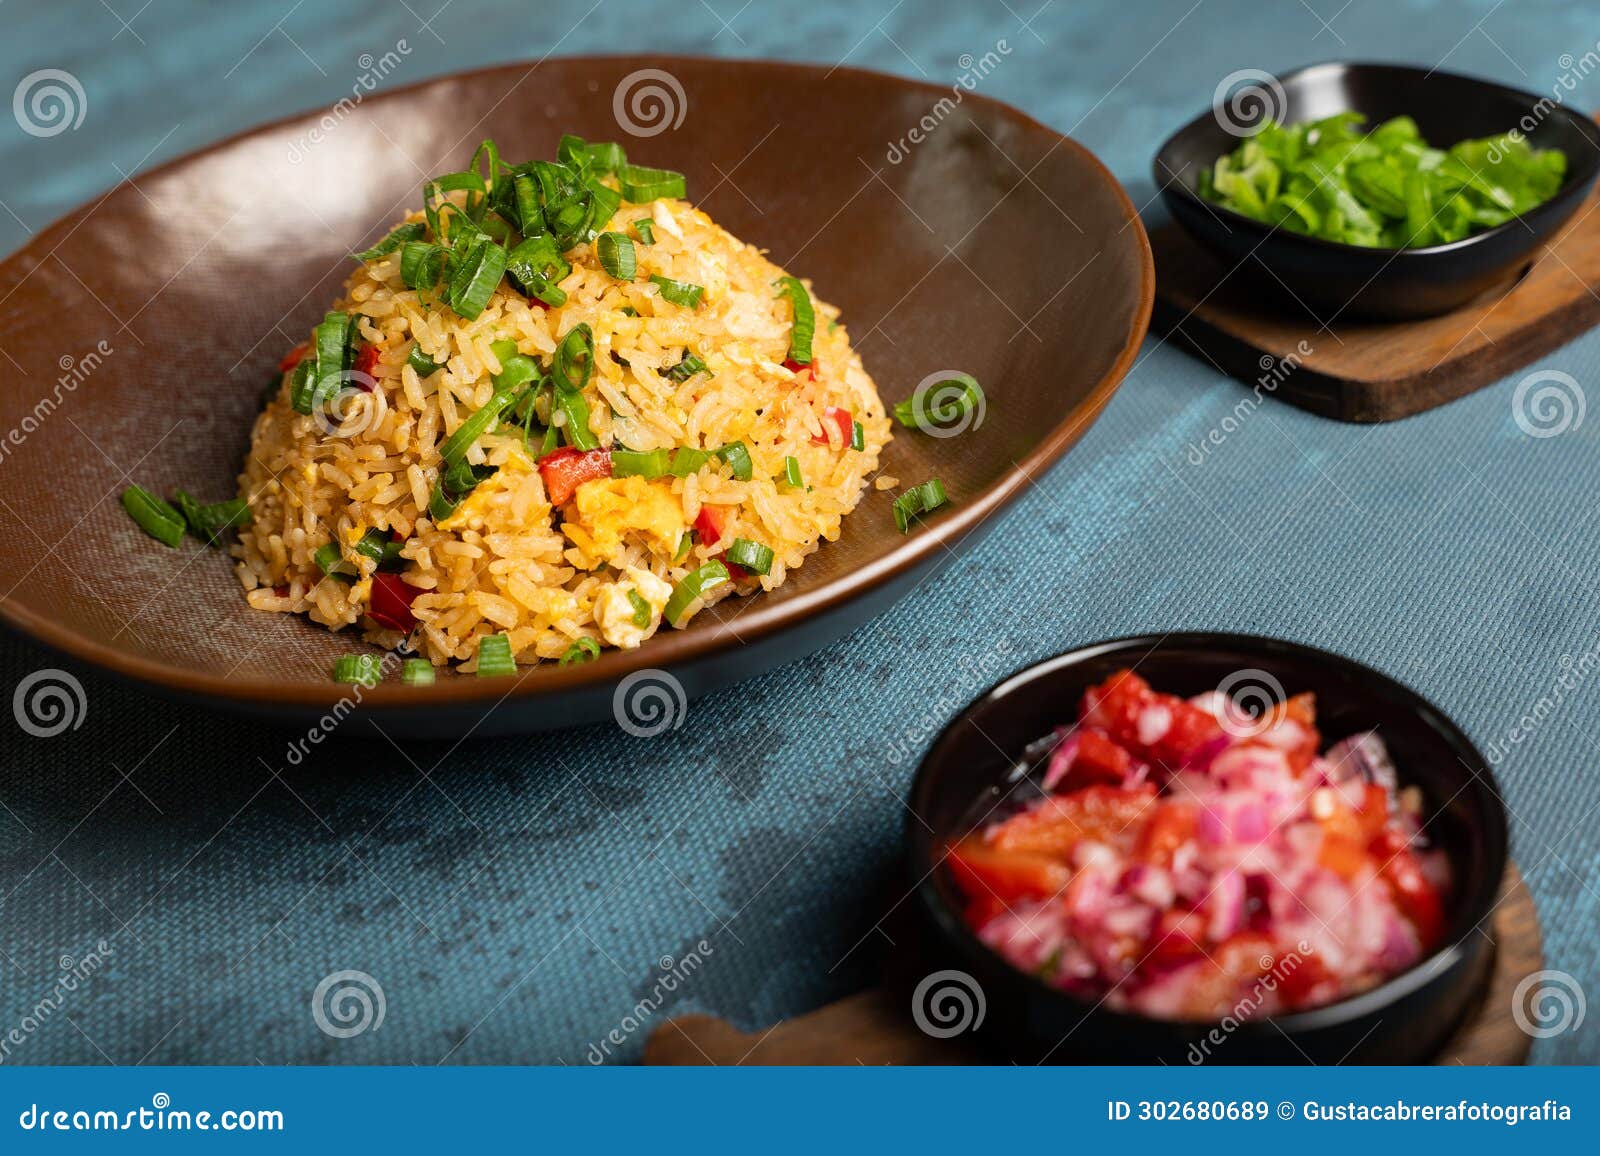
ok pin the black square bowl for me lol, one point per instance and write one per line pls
(1331, 279)
(978, 763)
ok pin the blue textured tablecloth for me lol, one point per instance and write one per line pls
(518, 902)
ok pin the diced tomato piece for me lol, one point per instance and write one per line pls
(1303, 980)
(1418, 900)
(292, 358)
(1057, 824)
(1098, 760)
(1224, 975)
(1170, 826)
(1344, 855)
(843, 419)
(566, 469)
(709, 523)
(985, 873)
(1175, 940)
(391, 603)
(365, 368)
(1117, 705)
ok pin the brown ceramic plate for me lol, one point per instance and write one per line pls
(994, 246)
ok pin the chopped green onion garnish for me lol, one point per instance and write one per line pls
(359, 669)
(648, 464)
(791, 472)
(751, 556)
(477, 424)
(642, 185)
(574, 360)
(628, 311)
(378, 546)
(410, 231)
(421, 264)
(210, 522)
(686, 461)
(477, 279)
(515, 372)
(695, 585)
(805, 319)
(940, 405)
(535, 267)
(302, 382)
(330, 560)
(494, 656)
(641, 609)
(685, 543)
(858, 436)
(330, 347)
(738, 457)
(576, 427)
(417, 672)
(422, 363)
(646, 228)
(687, 368)
(582, 650)
(682, 293)
(616, 255)
(918, 500)
(154, 516)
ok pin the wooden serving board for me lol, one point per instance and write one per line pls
(1378, 371)
(875, 1027)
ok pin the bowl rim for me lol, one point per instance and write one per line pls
(675, 649)
(921, 843)
(1579, 175)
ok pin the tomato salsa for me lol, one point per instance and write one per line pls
(1190, 860)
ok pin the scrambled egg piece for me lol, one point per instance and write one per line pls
(617, 616)
(608, 508)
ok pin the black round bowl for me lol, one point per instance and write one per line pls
(1332, 279)
(978, 762)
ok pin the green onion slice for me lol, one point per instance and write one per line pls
(858, 436)
(694, 585)
(535, 266)
(358, 669)
(686, 461)
(685, 544)
(920, 499)
(477, 279)
(330, 345)
(302, 382)
(641, 184)
(737, 456)
(574, 360)
(642, 612)
(791, 472)
(648, 464)
(576, 427)
(686, 368)
(154, 516)
(421, 264)
(805, 319)
(410, 231)
(751, 556)
(494, 656)
(582, 650)
(617, 256)
(942, 404)
(646, 228)
(210, 522)
(330, 560)
(683, 293)
(422, 363)
(477, 424)
(417, 672)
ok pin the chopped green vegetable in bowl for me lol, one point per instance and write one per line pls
(1387, 188)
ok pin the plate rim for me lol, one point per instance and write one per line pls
(676, 649)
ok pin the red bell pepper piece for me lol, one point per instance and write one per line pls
(365, 370)
(839, 417)
(391, 603)
(709, 523)
(735, 571)
(292, 358)
(566, 469)
(798, 370)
